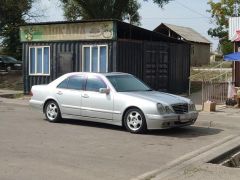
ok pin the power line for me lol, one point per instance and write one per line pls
(175, 18)
(190, 9)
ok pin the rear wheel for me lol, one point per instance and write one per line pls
(134, 121)
(52, 111)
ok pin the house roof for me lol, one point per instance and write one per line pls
(187, 33)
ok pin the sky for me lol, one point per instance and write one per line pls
(188, 13)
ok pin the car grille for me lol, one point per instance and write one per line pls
(180, 108)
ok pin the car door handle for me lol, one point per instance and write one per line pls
(85, 96)
(59, 93)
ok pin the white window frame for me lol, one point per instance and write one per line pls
(98, 60)
(39, 74)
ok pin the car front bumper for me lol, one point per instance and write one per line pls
(170, 120)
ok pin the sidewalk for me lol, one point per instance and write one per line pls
(10, 93)
(13, 97)
(195, 166)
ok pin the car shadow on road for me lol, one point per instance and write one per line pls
(186, 132)
(183, 132)
(92, 124)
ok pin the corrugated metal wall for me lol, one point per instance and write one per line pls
(56, 48)
(130, 57)
(156, 65)
(234, 25)
(179, 67)
(163, 66)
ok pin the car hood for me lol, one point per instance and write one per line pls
(158, 97)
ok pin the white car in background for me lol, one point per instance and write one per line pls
(114, 98)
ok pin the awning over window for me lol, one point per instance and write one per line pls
(232, 57)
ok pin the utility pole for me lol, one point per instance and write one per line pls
(235, 11)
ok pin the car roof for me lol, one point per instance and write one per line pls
(92, 73)
(114, 73)
(67, 75)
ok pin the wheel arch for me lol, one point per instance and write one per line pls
(125, 111)
(46, 101)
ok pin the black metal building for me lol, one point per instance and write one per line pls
(53, 48)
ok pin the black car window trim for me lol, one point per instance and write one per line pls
(97, 77)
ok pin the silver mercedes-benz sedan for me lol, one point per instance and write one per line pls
(114, 98)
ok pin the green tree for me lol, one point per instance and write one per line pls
(105, 9)
(12, 15)
(220, 13)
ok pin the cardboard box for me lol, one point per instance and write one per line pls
(209, 106)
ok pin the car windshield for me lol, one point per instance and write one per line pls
(127, 83)
(11, 59)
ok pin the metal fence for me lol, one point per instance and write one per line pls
(215, 91)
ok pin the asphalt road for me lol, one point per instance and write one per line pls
(32, 148)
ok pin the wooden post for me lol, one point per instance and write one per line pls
(202, 96)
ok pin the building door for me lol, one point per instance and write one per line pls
(156, 71)
(65, 63)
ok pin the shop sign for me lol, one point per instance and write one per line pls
(71, 31)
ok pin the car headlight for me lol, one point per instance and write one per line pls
(164, 109)
(161, 108)
(191, 107)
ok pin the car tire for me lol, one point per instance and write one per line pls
(134, 121)
(52, 112)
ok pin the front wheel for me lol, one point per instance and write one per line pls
(134, 121)
(52, 111)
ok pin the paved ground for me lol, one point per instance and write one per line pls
(207, 172)
(31, 148)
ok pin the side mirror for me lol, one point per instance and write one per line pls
(104, 90)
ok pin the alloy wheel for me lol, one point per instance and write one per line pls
(134, 120)
(52, 111)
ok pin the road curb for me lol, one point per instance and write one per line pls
(14, 101)
(214, 124)
(12, 96)
(203, 155)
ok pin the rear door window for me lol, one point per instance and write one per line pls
(73, 82)
(63, 84)
(76, 82)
